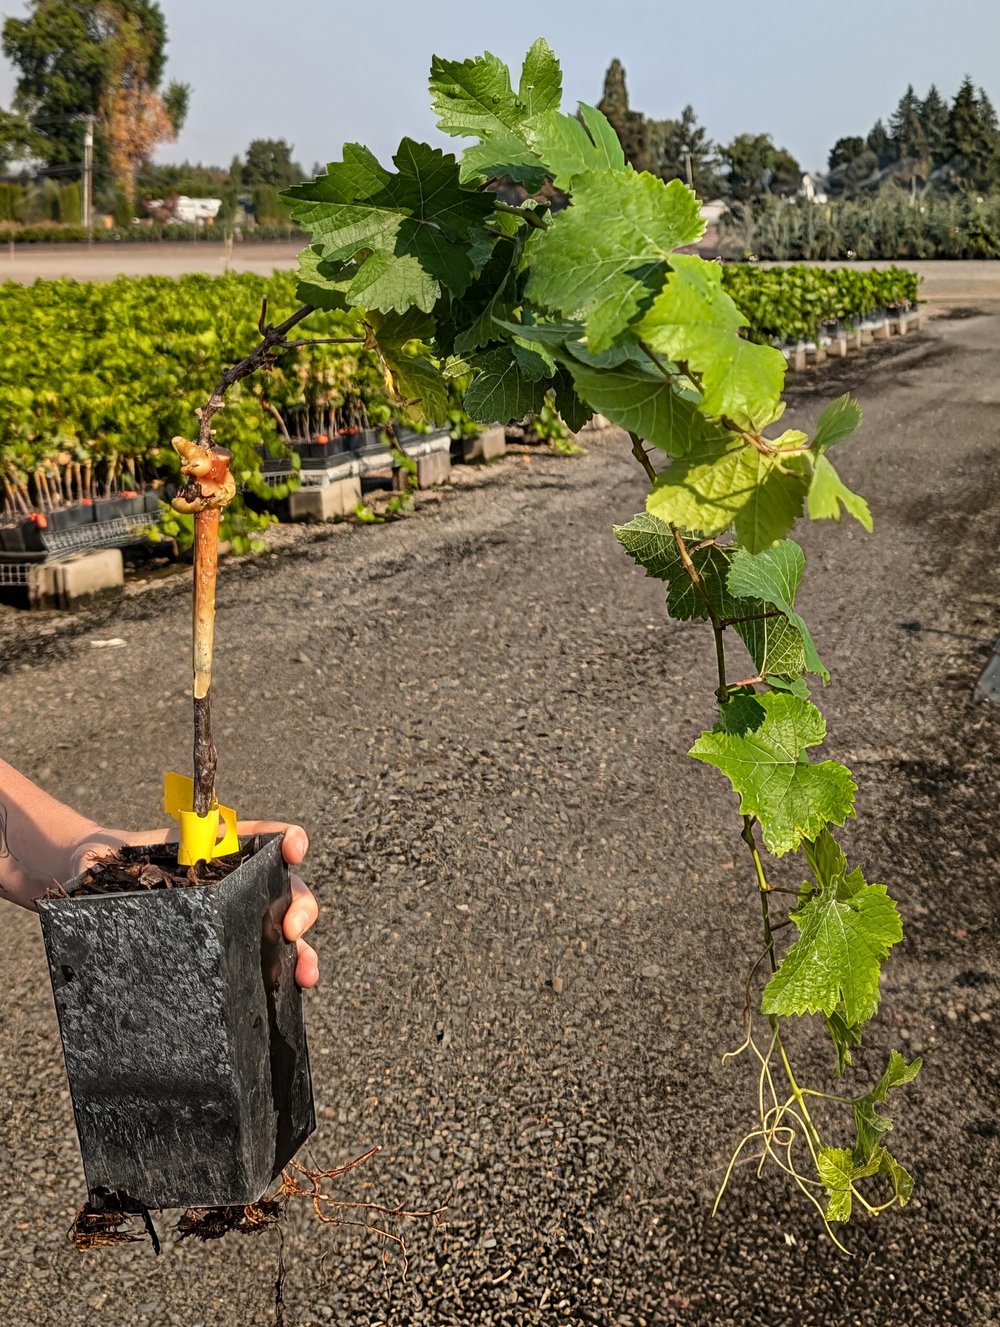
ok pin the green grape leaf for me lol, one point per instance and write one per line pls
(742, 713)
(411, 378)
(792, 799)
(846, 930)
(899, 1178)
(774, 646)
(728, 482)
(773, 575)
(870, 1123)
(570, 145)
(501, 393)
(321, 283)
(410, 229)
(828, 492)
(504, 154)
(845, 1037)
(645, 404)
(650, 542)
(837, 422)
(474, 98)
(838, 1171)
(604, 258)
(489, 301)
(694, 322)
(575, 413)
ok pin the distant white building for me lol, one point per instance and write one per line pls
(196, 211)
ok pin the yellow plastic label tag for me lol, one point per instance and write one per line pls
(199, 840)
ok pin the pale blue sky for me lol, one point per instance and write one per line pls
(323, 72)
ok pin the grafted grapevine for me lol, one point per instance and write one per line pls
(580, 295)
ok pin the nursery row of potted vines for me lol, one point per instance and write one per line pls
(95, 380)
(785, 305)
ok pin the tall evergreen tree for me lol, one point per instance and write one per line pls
(972, 144)
(909, 141)
(880, 142)
(628, 124)
(934, 120)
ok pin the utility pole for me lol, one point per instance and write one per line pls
(88, 177)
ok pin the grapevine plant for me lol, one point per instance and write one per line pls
(582, 294)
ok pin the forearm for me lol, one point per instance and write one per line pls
(38, 838)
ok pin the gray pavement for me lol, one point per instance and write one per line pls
(536, 919)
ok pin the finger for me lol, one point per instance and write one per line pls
(294, 844)
(302, 911)
(306, 966)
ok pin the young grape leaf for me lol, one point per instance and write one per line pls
(846, 930)
(774, 575)
(604, 258)
(870, 1124)
(792, 799)
(837, 422)
(838, 1171)
(693, 321)
(573, 144)
(651, 543)
(773, 645)
(727, 482)
(827, 492)
(845, 1038)
(474, 98)
(408, 233)
(501, 393)
(645, 404)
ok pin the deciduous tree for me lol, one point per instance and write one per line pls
(77, 58)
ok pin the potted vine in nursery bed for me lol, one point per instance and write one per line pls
(180, 1018)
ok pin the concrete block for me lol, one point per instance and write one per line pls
(76, 579)
(882, 331)
(797, 362)
(485, 446)
(838, 347)
(857, 339)
(819, 355)
(866, 336)
(433, 469)
(326, 502)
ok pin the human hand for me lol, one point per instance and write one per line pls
(302, 911)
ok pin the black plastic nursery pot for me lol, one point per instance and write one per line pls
(367, 441)
(183, 1034)
(24, 536)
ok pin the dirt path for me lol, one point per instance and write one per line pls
(536, 919)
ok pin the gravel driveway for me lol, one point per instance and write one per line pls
(536, 917)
